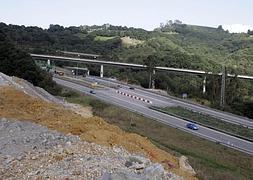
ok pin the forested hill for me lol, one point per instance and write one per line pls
(174, 44)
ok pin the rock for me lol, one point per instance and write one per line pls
(27, 139)
(8, 160)
(106, 176)
(155, 171)
(34, 158)
(122, 176)
(20, 157)
(136, 162)
(172, 176)
(68, 143)
(185, 166)
(137, 166)
(116, 149)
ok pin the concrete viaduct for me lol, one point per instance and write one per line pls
(140, 66)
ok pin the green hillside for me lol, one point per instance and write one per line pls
(172, 45)
(208, 48)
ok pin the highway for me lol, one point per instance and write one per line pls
(160, 100)
(110, 95)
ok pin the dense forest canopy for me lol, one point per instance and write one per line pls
(15, 62)
(193, 47)
(173, 44)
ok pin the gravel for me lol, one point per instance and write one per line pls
(31, 151)
(18, 137)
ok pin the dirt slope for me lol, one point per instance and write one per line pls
(18, 105)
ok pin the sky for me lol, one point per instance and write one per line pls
(234, 15)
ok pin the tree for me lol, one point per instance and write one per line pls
(161, 25)
(250, 32)
(177, 21)
(220, 28)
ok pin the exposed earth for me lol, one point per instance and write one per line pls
(42, 136)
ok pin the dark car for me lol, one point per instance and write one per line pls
(132, 88)
(192, 126)
(92, 92)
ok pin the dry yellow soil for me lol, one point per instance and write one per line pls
(17, 105)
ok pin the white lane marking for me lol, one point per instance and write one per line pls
(136, 93)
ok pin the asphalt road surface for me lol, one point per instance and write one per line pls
(110, 95)
(160, 100)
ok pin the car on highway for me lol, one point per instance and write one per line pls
(132, 88)
(92, 92)
(192, 126)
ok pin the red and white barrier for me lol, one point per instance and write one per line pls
(134, 97)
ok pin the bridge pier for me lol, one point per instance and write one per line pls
(102, 71)
(153, 80)
(48, 62)
(223, 87)
(204, 85)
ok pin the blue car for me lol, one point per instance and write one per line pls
(92, 92)
(192, 126)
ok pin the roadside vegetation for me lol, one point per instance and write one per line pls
(209, 160)
(208, 121)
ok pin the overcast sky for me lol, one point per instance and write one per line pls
(147, 14)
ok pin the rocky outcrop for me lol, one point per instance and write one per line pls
(184, 165)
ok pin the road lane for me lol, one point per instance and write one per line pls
(169, 101)
(112, 97)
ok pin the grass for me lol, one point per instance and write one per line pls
(209, 121)
(210, 160)
(103, 38)
(127, 41)
(76, 97)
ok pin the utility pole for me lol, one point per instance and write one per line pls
(102, 71)
(223, 87)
